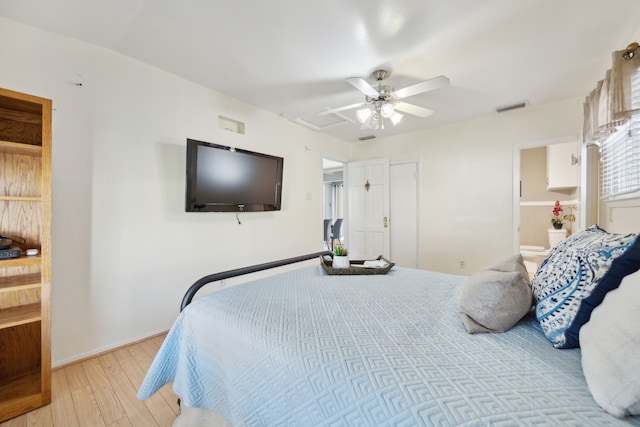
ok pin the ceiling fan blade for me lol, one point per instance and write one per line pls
(413, 109)
(363, 86)
(346, 107)
(425, 86)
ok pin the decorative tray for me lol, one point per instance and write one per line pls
(356, 267)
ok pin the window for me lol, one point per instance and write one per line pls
(620, 162)
(620, 154)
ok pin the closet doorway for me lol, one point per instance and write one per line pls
(403, 213)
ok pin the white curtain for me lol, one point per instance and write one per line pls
(612, 123)
(612, 103)
(624, 75)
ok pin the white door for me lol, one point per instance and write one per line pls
(403, 214)
(368, 209)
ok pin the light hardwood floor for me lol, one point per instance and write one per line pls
(101, 391)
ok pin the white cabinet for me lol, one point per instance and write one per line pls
(563, 167)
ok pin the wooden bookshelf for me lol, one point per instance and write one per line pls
(25, 282)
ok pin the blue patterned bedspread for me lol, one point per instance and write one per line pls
(304, 348)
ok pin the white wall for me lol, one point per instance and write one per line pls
(124, 250)
(466, 180)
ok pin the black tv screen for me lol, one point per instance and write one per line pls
(226, 179)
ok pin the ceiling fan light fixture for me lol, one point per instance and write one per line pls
(363, 114)
(396, 118)
(387, 110)
(367, 123)
(375, 121)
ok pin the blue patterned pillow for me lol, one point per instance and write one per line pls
(571, 273)
(626, 264)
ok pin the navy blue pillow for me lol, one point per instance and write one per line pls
(625, 264)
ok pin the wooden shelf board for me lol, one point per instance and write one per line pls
(20, 315)
(21, 198)
(19, 148)
(20, 394)
(21, 385)
(21, 261)
(25, 281)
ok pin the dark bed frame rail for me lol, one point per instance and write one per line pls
(188, 296)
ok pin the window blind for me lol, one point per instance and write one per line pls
(620, 155)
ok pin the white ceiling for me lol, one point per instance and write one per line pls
(291, 57)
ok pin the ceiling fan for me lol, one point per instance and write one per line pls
(384, 102)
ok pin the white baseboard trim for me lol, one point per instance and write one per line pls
(101, 350)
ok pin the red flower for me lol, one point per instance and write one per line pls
(556, 213)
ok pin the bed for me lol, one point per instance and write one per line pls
(305, 348)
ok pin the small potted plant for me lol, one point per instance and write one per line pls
(340, 257)
(556, 219)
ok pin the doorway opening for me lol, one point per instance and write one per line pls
(546, 172)
(333, 205)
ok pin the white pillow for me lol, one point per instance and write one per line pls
(610, 343)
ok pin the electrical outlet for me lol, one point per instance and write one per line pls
(461, 263)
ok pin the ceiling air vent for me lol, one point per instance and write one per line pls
(511, 107)
(364, 138)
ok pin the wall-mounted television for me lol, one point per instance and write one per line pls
(226, 179)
